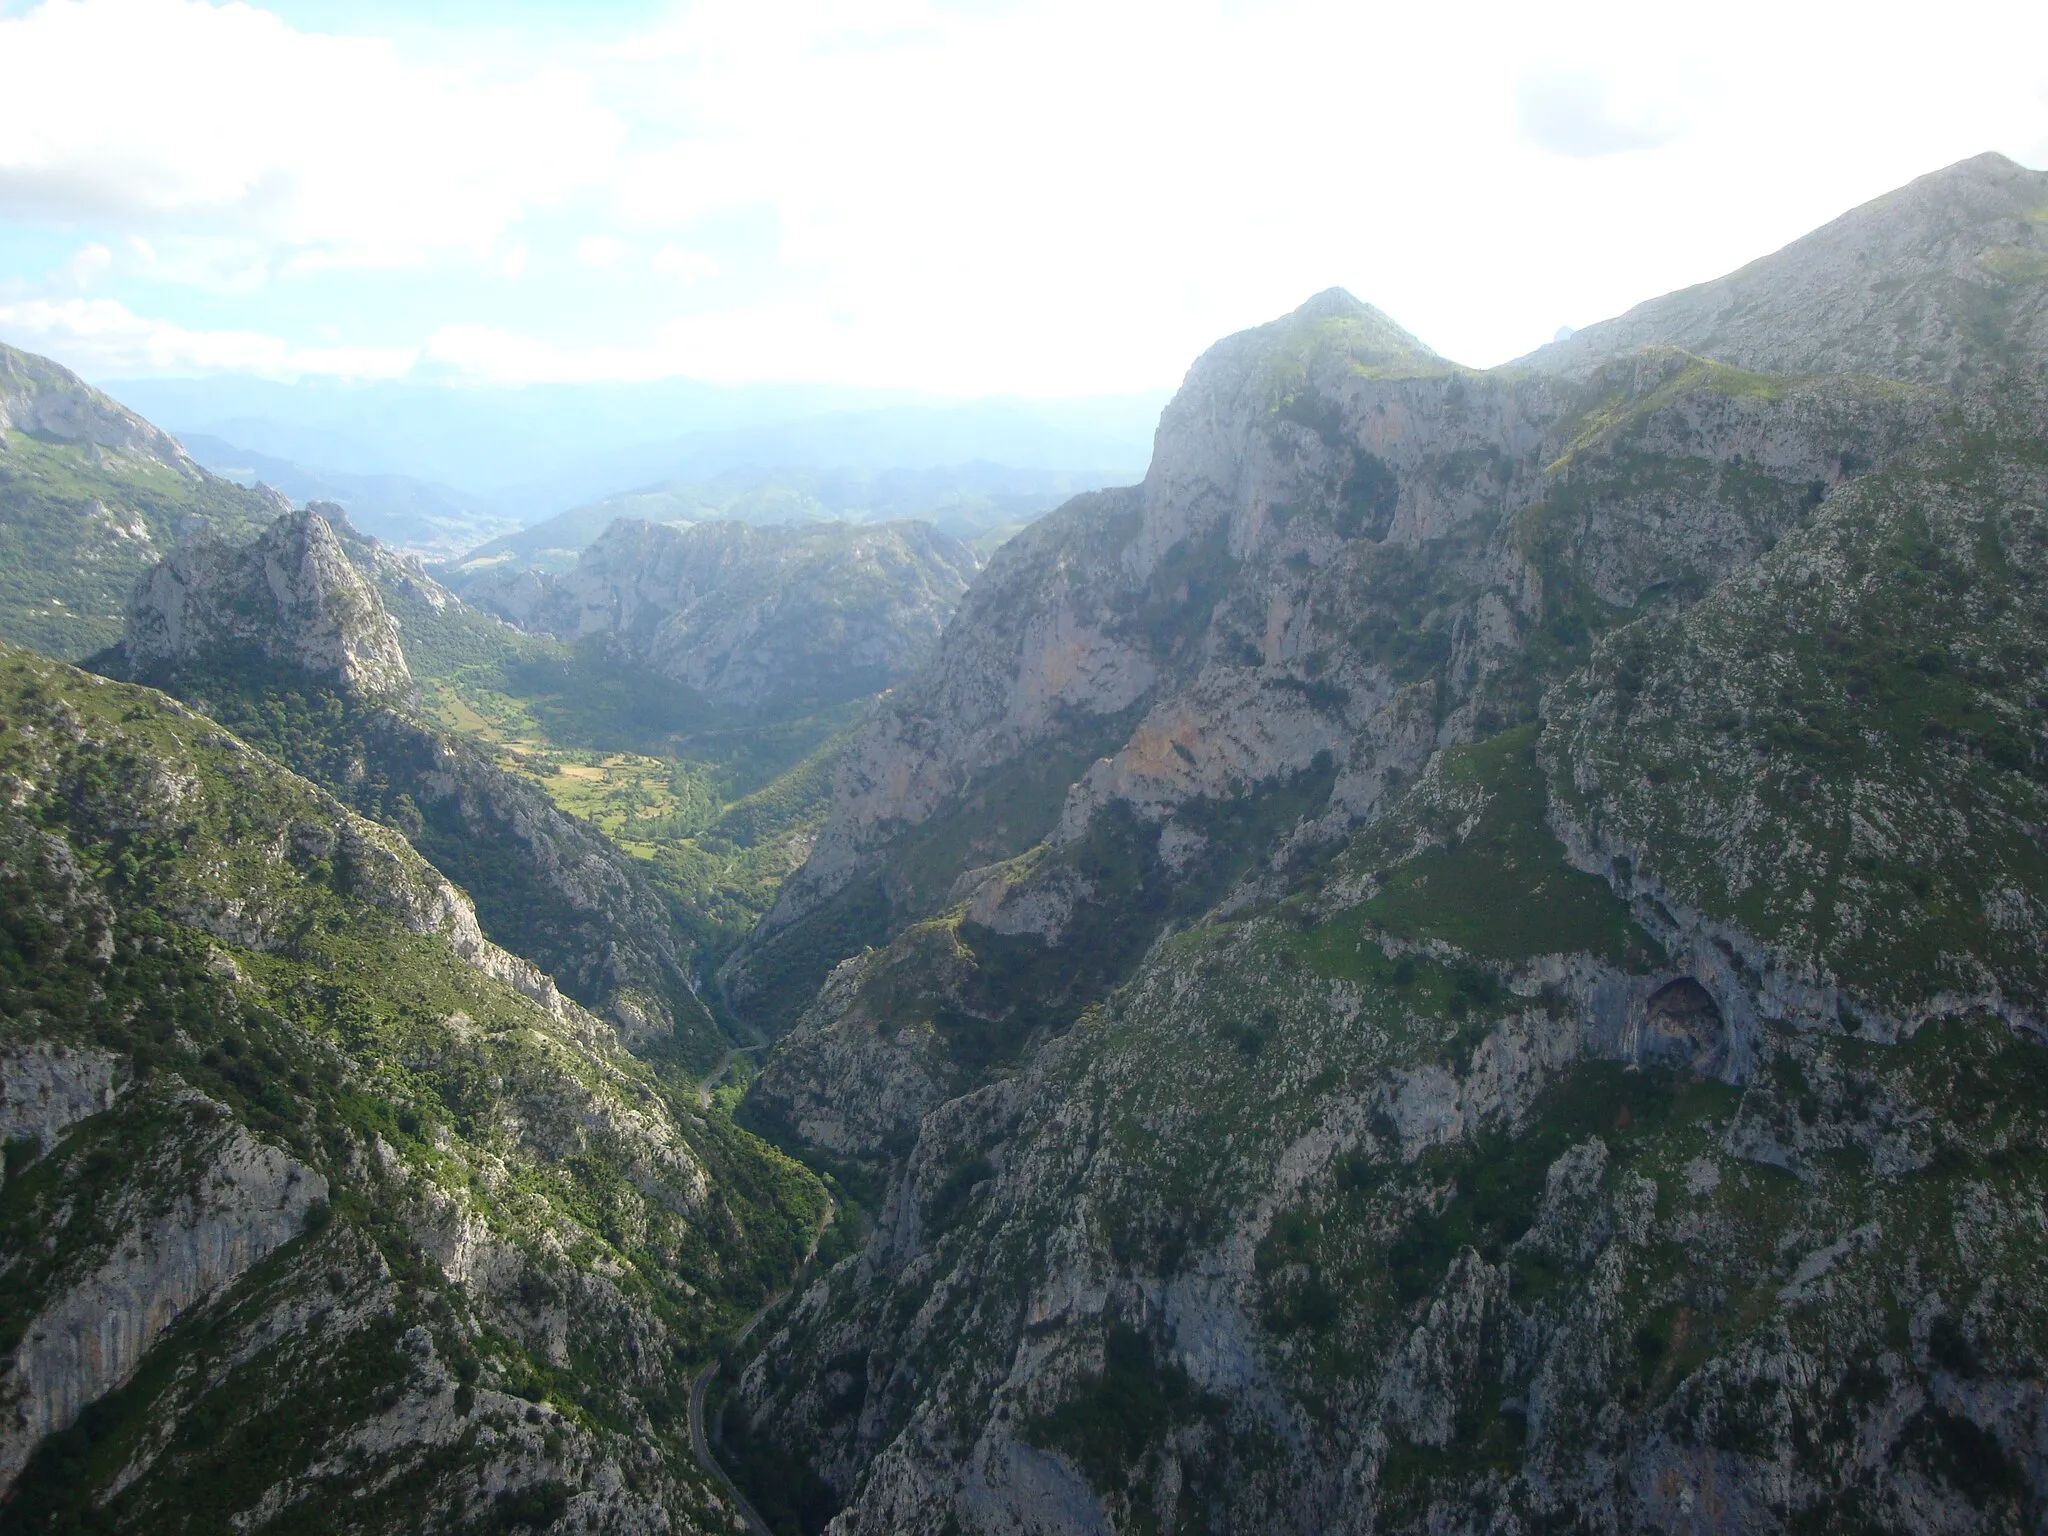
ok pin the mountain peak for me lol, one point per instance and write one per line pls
(1332, 334)
(1335, 304)
(1941, 281)
(1989, 168)
(1369, 333)
(49, 400)
(291, 598)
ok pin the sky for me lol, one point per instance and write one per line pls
(1048, 198)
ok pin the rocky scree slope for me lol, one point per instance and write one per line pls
(319, 1210)
(752, 616)
(288, 640)
(1466, 957)
(91, 495)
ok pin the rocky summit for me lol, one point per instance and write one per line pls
(1465, 957)
(291, 599)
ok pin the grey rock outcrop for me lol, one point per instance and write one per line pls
(213, 1203)
(292, 599)
(46, 1087)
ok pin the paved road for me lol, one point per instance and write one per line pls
(722, 1066)
(700, 1443)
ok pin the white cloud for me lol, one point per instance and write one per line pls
(224, 121)
(1046, 195)
(603, 252)
(104, 338)
(87, 263)
(1572, 112)
(219, 264)
(686, 266)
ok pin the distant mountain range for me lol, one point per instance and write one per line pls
(440, 472)
(429, 519)
(981, 504)
(749, 616)
(529, 452)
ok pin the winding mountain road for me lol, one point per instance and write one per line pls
(700, 1443)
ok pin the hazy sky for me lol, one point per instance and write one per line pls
(1029, 196)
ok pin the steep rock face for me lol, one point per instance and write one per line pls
(1942, 281)
(296, 1122)
(210, 1203)
(291, 598)
(46, 1087)
(1519, 1009)
(1346, 555)
(753, 616)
